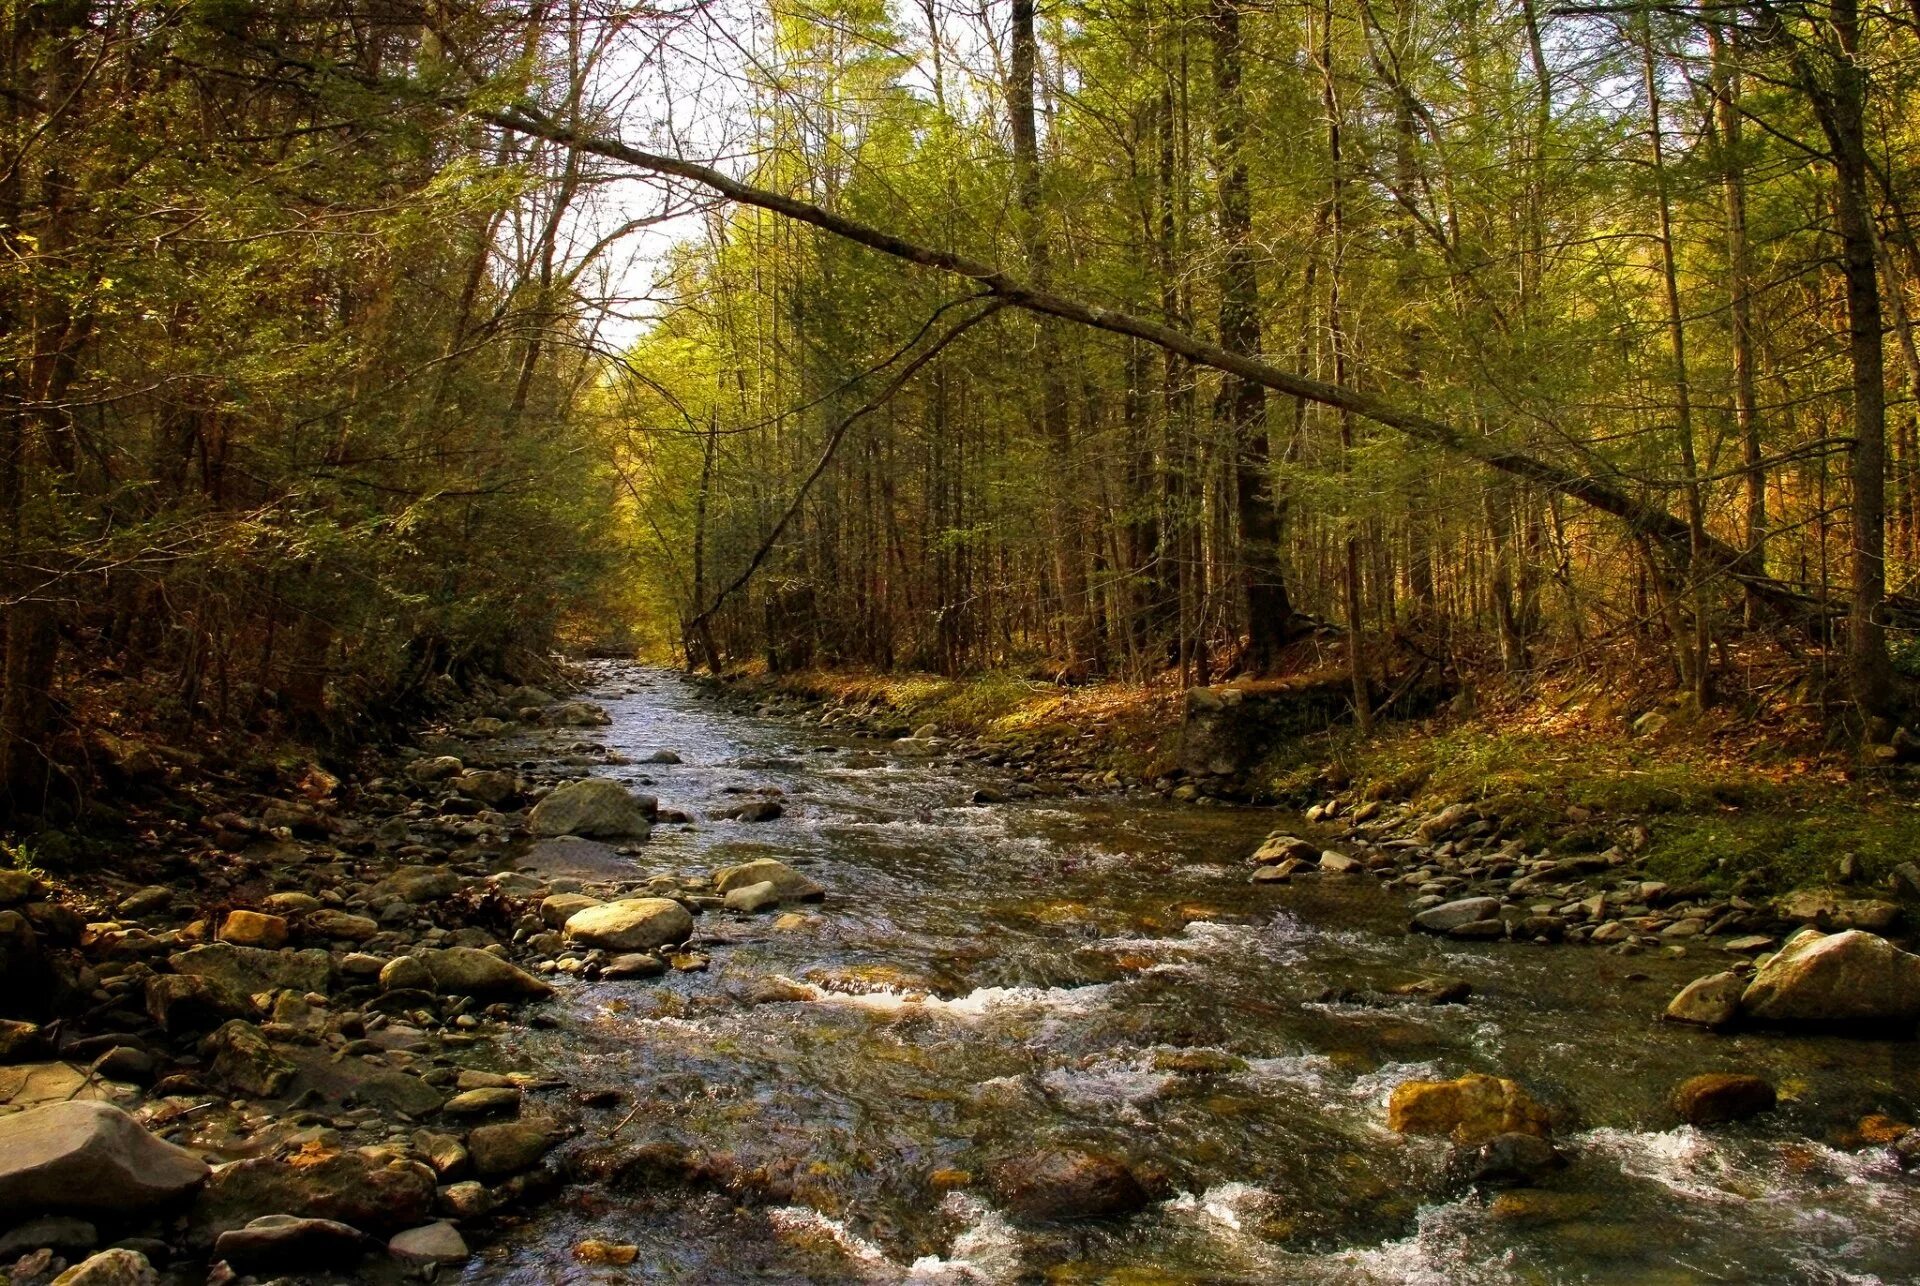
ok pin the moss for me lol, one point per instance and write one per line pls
(1759, 813)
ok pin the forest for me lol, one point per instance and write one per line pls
(351, 347)
(959, 641)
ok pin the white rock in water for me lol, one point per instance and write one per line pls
(631, 924)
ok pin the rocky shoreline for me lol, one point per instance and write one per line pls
(289, 1053)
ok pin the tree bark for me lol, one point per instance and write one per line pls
(1241, 407)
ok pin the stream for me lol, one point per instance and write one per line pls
(984, 979)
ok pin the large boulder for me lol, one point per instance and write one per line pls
(248, 971)
(1850, 978)
(469, 971)
(631, 924)
(1470, 1110)
(88, 1156)
(317, 1183)
(1061, 1183)
(789, 884)
(594, 807)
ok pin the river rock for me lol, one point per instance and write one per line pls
(1852, 977)
(434, 1243)
(1712, 1001)
(557, 909)
(247, 971)
(1435, 991)
(1507, 1160)
(787, 882)
(339, 926)
(406, 973)
(181, 1002)
(594, 807)
(436, 768)
(492, 787)
(509, 1147)
(1721, 1096)
(444, 1152)
(631, 924)
(634, 964)
(1831, 909)
(28, 1085)
(418, 884)
(243, 1059)
(21, 1042)
(581, 714)
(56, 1232)
(88, 1156)
(753, 898)
(1060, 1183)
(115, 1267)
(318, 1183)
(252, 929)
(469, 971)
(274, 1242)
(758, 810)
(1280, 848)
(1470, 1110)
(1449, 916)
(488, 1100)
(17, 887)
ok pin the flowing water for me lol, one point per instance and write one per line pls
(983, 980)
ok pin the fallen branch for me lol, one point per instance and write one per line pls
(1651, 522)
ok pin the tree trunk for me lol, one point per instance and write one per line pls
(1069, 559)
(1241, 407)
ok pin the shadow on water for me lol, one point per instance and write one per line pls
(986, 979)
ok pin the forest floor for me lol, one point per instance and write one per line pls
(1755, 797)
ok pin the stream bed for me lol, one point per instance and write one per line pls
(985, 979)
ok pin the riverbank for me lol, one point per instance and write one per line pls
(1757, 805)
